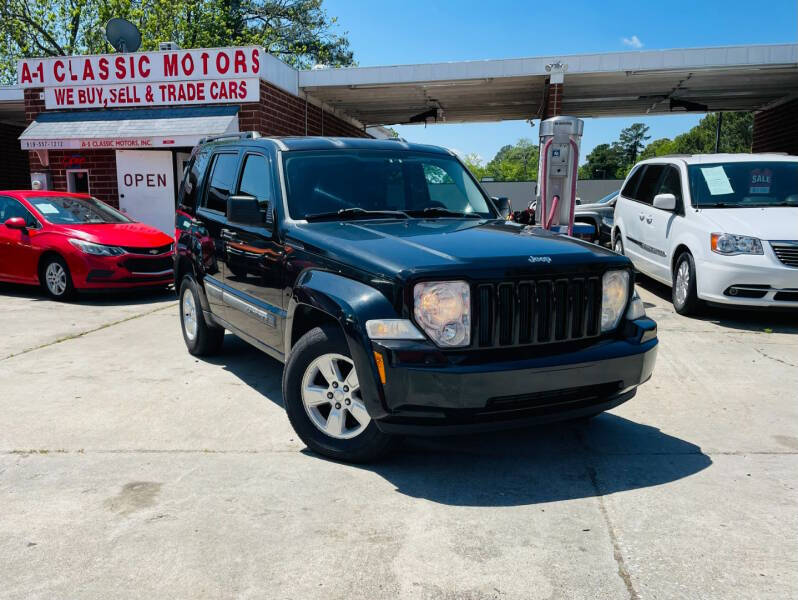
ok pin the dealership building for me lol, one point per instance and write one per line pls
(121, 126)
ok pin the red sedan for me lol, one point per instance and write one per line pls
(67, 242)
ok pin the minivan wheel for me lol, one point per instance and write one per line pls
(618, 245)
(683, 288)
(56, 279)
(201, 338)
(323, 400)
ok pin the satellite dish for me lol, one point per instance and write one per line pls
(123, 35)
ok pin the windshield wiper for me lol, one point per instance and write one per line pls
(355, 213)
(445, 212)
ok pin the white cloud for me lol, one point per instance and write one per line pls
(632, 42)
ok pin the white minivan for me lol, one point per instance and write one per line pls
(716, 227)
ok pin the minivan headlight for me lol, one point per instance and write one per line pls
(615, 293)
(443, 310)
(96, 249)
(728, 244)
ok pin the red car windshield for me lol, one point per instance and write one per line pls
(66, 210)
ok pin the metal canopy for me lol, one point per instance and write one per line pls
(596, 85)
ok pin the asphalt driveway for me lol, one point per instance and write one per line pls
(130, 469)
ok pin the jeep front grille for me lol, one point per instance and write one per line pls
(787, 252)
(536, 311)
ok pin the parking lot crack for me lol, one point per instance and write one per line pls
(778, 360)
(623, 571)
(73, 336)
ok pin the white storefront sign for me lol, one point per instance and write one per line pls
(146, 187)
(222, 75)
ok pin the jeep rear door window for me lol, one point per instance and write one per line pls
(223, 177)
(332, 180)
(754, 184)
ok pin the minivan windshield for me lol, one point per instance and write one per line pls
(69, 210)
(344, 184)
(744, 184)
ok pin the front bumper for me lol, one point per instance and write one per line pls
(717, 274)
(428, 393)
(127, 271)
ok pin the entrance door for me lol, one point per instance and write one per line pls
(147, 187)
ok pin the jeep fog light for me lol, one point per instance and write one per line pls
(443, 310)
(637, 309)
(393, 329)
(615, 292)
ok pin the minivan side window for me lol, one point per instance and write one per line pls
(672, 184)
(222, 180)
(648, 184)
(629, 189)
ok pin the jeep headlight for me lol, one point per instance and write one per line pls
(615, 293)
(443, 310)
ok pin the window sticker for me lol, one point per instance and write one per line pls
(47, 209)
(761, 180)
(717, 181)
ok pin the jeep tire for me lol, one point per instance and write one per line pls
(202, 338)
(322, 399)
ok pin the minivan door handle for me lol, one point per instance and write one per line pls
(227, 234)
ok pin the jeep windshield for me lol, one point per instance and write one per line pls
(755, 184)
(379, 184)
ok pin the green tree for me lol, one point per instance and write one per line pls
(632, 140)
(475, 164)
(658, 147)
(517, 162)
(605, 161)
(300, 32)
(737, 134)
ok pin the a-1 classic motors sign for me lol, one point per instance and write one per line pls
(146, 78)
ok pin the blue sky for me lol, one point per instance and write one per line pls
(419, 31)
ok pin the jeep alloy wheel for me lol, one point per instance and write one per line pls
(331, 397)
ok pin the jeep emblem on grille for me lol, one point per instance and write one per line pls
(540, 259)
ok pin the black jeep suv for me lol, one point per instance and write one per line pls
(395, 293)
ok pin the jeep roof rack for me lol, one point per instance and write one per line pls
(244, 135)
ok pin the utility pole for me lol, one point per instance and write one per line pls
(717, 132)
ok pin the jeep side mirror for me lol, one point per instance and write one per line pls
(665, 201)
(16, 223)
(246, 210)
(502, 205)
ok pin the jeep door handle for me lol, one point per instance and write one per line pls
(226, 234)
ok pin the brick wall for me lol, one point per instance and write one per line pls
(280, 113)
(15, 172)
(277, 113)
(776, 129)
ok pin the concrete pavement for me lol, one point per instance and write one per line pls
(130, 469)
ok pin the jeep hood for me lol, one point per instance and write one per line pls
(457, 247)
(774, 223)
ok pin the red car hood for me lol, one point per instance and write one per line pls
(132, 235)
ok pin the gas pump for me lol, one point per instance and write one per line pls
(558, 170)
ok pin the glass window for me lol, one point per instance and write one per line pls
(331, 180)
(223, 177)
(744, 184)
(672, 184)
(193, 178)
(256, 179)
(648, 183)
(631, 185)
(10, 208)
(66, 210)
